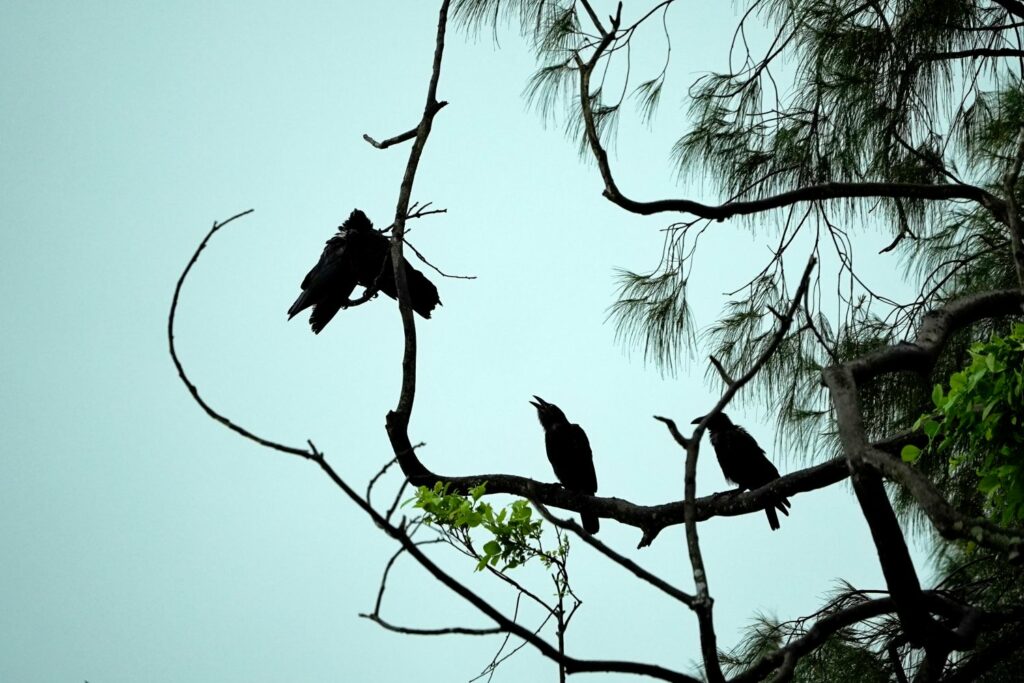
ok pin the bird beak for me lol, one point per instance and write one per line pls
(697, 421)
(539, 403)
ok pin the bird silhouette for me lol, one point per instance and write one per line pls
(570, 455)
(743, 462)
(358, 255)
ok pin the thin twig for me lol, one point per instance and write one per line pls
(400, 138)
(621, 560)
(373, 481)
(721, 370)
(440, 272)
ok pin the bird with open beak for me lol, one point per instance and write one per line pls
(570, 455)
(743, 462)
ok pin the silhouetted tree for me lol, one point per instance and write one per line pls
(898, 117)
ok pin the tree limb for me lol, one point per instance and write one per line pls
(181, 370)
(397, 421)
(972, 53)
(400, 138)
(621, 560)
(572, 665)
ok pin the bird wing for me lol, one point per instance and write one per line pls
(571, 458)
(330, 258)
(370, 254)
(739, 456)
(328, 284)
(422, 292)
(759, 469)
(423, 295)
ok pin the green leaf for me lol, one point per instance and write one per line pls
(988, 483)
(931, 428)
(910, 453)
(937, 396)
(957, 381)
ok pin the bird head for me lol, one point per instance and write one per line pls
(357, 220)
(548, 413)
(717, 423)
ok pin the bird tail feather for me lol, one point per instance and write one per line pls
(591, 523)
(773, 519)
(783, 506)
(299, 305)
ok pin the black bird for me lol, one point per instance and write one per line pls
(357, 255)
(569, 454)
(743, 462)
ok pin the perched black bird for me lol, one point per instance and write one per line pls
(743, 462)
(357, 255)
(569, 454)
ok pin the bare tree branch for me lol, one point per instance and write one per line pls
(453, 630)
(820, 192)
(397, 421)
(440, 272)
(867, 463)
(380, 473)
(721, 370)
(893, 554)
(935, 329)
(402, 137)
(621, 560)
(181, 370)
(572, 665)
(703, 605)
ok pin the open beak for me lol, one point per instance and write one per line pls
(539, 403)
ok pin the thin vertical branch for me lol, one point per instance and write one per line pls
(398, 419)
(703, 605)
(560, 614)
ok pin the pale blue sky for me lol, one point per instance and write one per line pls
(143, 542)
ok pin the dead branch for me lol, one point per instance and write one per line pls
(621, 560)
(181, 370)
(402, 137)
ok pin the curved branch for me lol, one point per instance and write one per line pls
(452, 630)
(649, 518)
(400, 138)
(741, 208)
(809, 194)
(181, 370)
(935, 329)
(920, 355)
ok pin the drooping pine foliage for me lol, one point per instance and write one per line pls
(841, 91)
(923, 92)
(850, 654)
